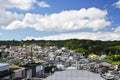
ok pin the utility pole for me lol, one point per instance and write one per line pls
(31, 53)
(76, 65)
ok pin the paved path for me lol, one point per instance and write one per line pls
(74, 75)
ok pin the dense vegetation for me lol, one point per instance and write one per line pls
(110, 48)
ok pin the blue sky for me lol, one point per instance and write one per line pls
(59, 20)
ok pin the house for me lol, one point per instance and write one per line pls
(17, 73)
(29, 70)
(94, 57)
(108, 72)
(39, 70)
(33, 70)
(107, 64)
(51, 56)
(60, 66)
(49, 67)
(3, 52)
(103, 56)
(97, 65)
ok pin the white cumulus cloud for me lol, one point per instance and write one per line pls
(43, 4)
(92, 18)
(117, 4)
(7, 17)
(117, 29)
(104, 36)
(20, 4)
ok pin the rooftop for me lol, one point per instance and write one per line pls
(3, 64)
(74, 75)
